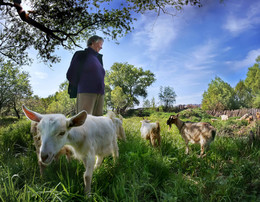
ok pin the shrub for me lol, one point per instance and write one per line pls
(16, 137)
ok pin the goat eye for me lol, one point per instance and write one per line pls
(61, 134)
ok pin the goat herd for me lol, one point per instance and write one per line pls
(90, 138)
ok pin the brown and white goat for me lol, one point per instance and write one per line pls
(249, 119)
(196, 133)
(92, 138)
(151, 132)
(245, 116)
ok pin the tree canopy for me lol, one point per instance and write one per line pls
(133, 82)
(243, 95)
(50, 25)
(167, 96)
(15, 87)
(219, 96)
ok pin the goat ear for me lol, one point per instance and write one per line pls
(33, 116)
(78, 119)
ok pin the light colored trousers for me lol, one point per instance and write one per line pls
(91, 102)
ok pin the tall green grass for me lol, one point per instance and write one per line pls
(229, 172)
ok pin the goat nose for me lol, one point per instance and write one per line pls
(44, 157)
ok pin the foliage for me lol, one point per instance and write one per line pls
(7, 120)
(16, 137)
(196, 115)
(243, 95)
(132, 80)
(252, 80)
(15, 87)
(146, 104)
(39, 104)
(118, 98)
(219, 96)
(62, 103)
(230, 171)
(256, 101)
(167, 96)
(57, 103)
(248, 91)
(52, 24)
(153, 104)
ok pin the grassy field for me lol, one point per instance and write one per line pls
(229, 172)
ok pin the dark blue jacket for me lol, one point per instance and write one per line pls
(87, 72)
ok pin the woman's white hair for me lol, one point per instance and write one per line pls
(94, 38)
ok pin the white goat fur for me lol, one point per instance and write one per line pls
(119, 125)
(151, 132)
(224, 117)
(66, 150)
(90, 136)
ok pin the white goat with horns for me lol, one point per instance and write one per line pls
(90, 136)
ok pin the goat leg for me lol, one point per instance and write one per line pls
(169, 128)
(89, 165)
(201, 150)
(187, 149)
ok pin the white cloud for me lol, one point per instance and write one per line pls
(202, 57)
(248, 61)
(40, 75)
(156, 34)
(237, 24)
(227, 49)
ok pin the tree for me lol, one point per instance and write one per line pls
(132, 80)
(168, 97)
(243, 95)
(153, 103)
(258, 59)
(252, 80)
(15, 87)
(146, 104)
(256, 101)
(62, 102)
(118, 98)
(219, 96)
(52, 24)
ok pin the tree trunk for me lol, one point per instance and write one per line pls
(16, 111)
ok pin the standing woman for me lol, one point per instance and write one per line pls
(87, 73)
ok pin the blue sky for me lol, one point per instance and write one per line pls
(185, 51)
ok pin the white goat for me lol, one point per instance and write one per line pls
(119, 125)
(201, 133)
(151, 132)
(90, 136)
(66, 150)
(224, 117)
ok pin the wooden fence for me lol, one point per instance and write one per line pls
(234, 113)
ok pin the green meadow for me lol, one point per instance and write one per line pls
(229, 172)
